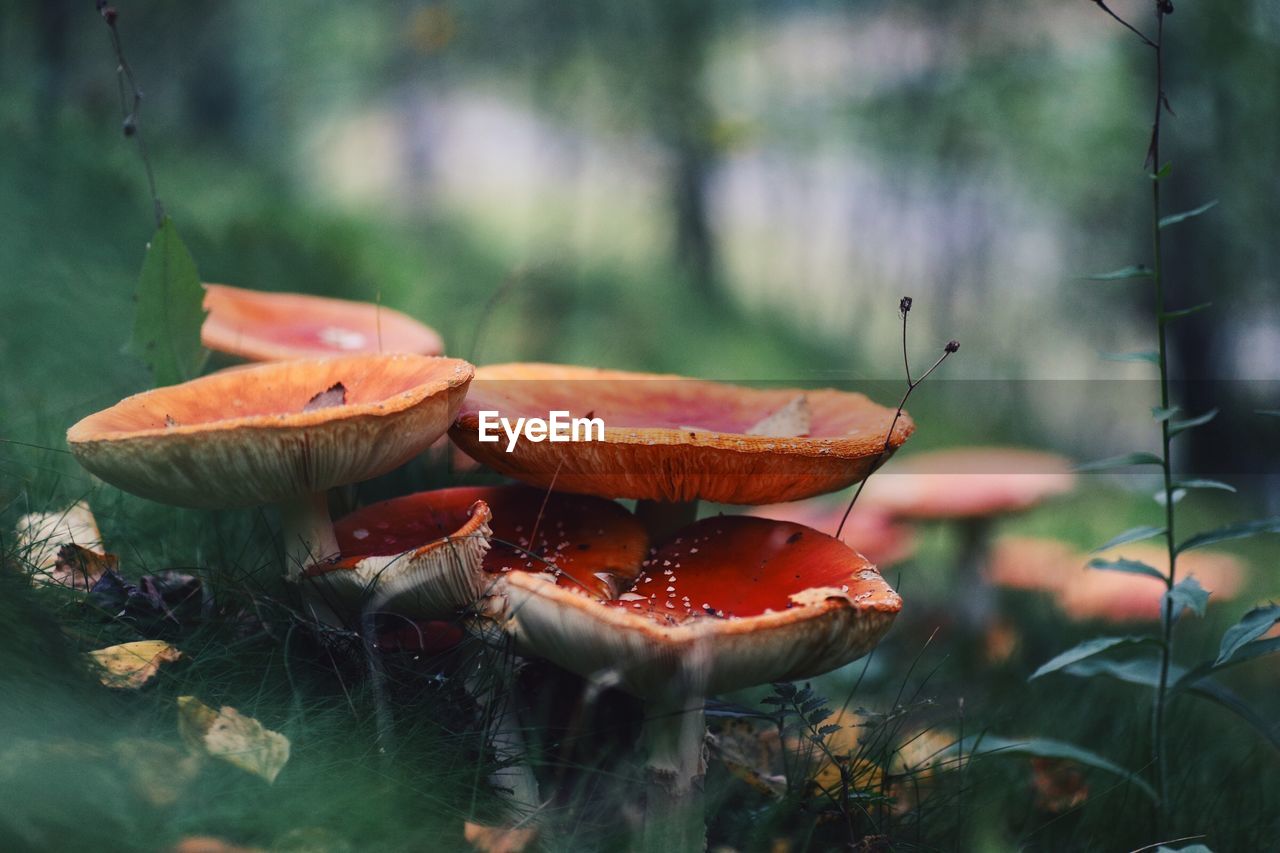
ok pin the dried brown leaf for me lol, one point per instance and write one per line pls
(228, 735)
(131, 665)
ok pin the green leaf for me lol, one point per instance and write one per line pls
(1249, 651)
(1271, 413)
(1161, 413)
(987, 746)
(1144, 672)
(1204, 484)
(1087, 649)
(1135, 534)
(1164, 172)
(1133, 567)
(1191, 423)
(1149, 356)
(1175, 218)
(1186, 593)
(170, 310)
(1125, 461)
(1232, 531)
(1207, 688)
(1184, 312)
(1190, 848)
(1251, 626)
(1122, 274)
(1162, 498)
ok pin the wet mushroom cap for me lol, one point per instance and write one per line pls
(262, 326)
(673, 439)
(729, 602)
(968, 483)
(588, 543)
(271, 432)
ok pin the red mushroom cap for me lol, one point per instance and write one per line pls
(263, 326)
(255, 435)
(673, 439)
(1084, 593)
(873, 533)
(971, 482)
(729, 602)
(587, 543)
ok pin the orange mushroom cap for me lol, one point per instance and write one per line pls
(261, 326)
(873, 533)
(249, 436)
(1083, 593)
(673, 439)
(972, 482)
(728, 603)
(587, 543)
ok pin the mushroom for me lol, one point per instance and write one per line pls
(429, 555)
(670, 441)
(1047, 565)
(433, 553)
(728, 603)
(971, 487)
(260, 326)
(277, 433)
(873, 533)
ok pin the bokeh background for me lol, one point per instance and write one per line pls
(726, 189)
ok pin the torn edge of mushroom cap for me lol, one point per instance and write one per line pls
(237, 317)
(822, 628)
(679, 463)
(273, 448)
(433, 581)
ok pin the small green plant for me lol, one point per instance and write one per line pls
(1157, 671)
(170, 297)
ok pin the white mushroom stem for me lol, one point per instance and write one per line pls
(308, 533)
(662, 518)
(674, 739)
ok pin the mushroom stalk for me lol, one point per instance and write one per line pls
(978, 599)
(663, 518)
(674, 738)
(308, 533)
(514, 780)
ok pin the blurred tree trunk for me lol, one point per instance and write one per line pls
(685, 124)
(53, 24)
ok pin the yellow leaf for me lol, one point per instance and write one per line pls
(132, 665)
(228, 735)
(498, 839)
(64, 547)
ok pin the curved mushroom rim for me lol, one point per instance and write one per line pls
(83, 432)
(884, 601)
(221, 335)
(477, 517)
(859, 447)
(851, 448)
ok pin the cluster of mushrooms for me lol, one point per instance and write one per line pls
(669, 608)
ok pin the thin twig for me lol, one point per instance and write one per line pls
(1130, 27)
(904, 308)
(131, 104)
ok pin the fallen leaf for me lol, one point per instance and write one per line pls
(334, 395)
(498, 839)
(791, 421)
(1059, 785)
(45, 535)
(751, 754)
(228, 735)
(131, 665)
